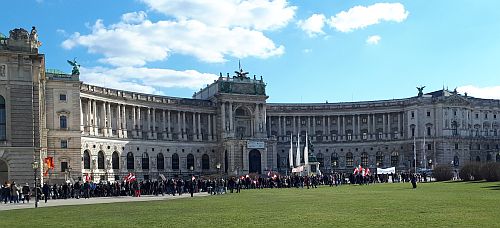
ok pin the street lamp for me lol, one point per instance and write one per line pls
(35, 168)
(218, 169)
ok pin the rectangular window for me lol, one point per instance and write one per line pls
(413, 132)
(456, 146)
(365, 120)
(486, 115)
(365, 135)
(64, 166)
(62, 97)
(64, 143)
(429, 146)
(494, 116)
(412, 114)
(429, 113)
(349, 136)
(477, 116)
(428, 131)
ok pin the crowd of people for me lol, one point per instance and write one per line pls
(14, 193)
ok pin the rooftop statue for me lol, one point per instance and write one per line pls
(420, 89)
(76, 67)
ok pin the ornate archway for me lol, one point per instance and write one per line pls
(4, 171)
(254, 161)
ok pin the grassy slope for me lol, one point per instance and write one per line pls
(430, 205)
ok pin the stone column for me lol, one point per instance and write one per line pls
(308, 125)
(329, 124)
(323, 123)
(209, 125)
(94, 116)
(169, 120)
(103, 120)
(368, 119)
(155, 136)
(343, 127)
(139, 122)
(89, 119)
(118, 121)
(148, 123)
(354, 135)
(124, 122)
(374, 124)
(389, 125)
(223, 116)
(180, 134)
(134, 122)
(194, 127)
(109, 120)
(384, 125)
(82, 124)
(284, 128)
(214, 130)
(399, 125)
(313, 133)
(338, 127)
(163, 125)
(359, 126)
(184, 136)
(199, 135)
(279, 127)
(231, 121)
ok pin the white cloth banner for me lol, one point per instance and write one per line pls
(386, 170)
(298, 169)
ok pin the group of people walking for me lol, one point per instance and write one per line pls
(14, 193)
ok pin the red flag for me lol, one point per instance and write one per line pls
(87, 177)
(50, 164)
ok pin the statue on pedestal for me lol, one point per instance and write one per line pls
(76, 67)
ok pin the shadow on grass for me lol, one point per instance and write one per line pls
(492, 187)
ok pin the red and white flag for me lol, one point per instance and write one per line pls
(130, 178)
(87, 177)
(358, 170)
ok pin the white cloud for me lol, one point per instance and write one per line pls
(125, 44)
(488, 92)
(145, 80)
(134, 17)
(250, 14)
(373, 40)
(359, 17)
(307, 51)
(313, 25)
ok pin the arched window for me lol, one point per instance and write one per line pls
(205, 162)
(100, 160)
(321, 160)
(335, 160)
(63, 123)
(394, 159)
(86, 160)
(175, 161)
(3, 120)
(380, 159)
(349, 160)
(190, 161)
(145, 161)
(364, 159)
(456, 161)
(160, 162)
(115, 160)
(130, 160)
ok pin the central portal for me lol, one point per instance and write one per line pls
(254, 161)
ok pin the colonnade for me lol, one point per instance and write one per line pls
(110, 119)
(338, 127)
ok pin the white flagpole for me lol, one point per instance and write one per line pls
(306, 152)
(290, 154)
(297, 159)
(415, 153)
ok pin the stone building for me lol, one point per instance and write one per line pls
(226, 128)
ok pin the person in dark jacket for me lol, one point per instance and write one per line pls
(46, 191)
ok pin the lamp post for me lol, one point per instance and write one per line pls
(35, 168)
(218, 169)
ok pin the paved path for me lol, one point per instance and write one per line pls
(97, 200)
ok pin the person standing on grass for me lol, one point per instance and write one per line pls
(26, 192)
(414, 181)
(46, 191)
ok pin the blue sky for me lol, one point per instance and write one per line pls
(307, 51)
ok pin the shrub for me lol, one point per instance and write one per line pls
(470, 171)
(490, 171)
(442, 173)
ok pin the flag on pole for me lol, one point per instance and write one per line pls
(130, 178)
(290, 154)
(297, 159)
(306, 152)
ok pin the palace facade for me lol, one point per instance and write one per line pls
(226, 128)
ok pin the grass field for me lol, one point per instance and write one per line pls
(452, 204)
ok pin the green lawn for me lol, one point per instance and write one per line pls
(454, 204)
